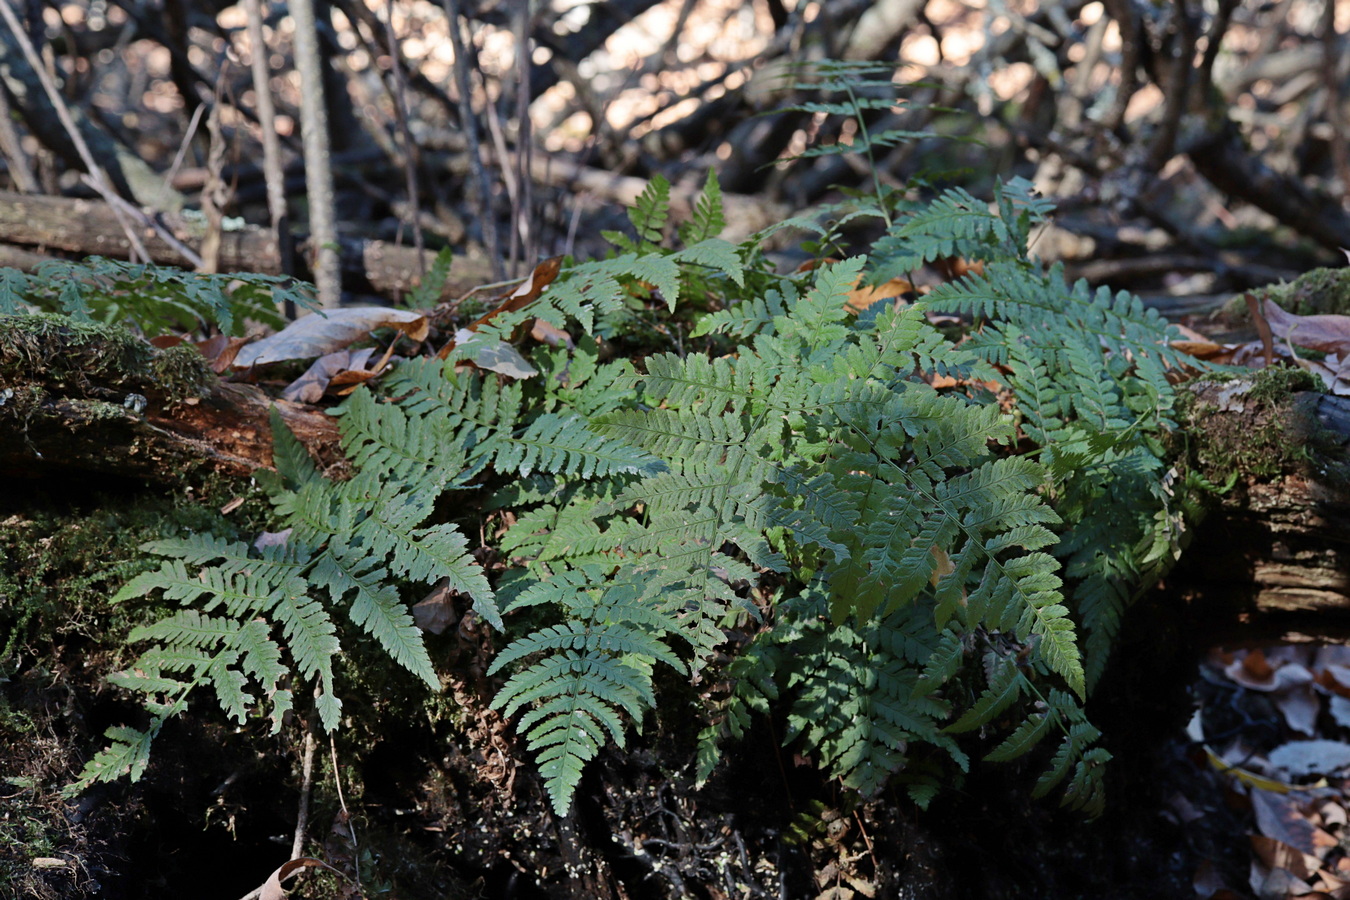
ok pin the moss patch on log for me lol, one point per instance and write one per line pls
(1315, 292)
(1264, 426)
(86, 359)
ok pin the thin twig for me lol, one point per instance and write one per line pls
(508, 174)
(120, 207)
(267, 118)
(318, 163)
(20, 166)
(342, 801)
(306, 788)
(479, 188)
(524, 135)
(100, 178)
(1340, 152)
(410, 154)
(184, 143)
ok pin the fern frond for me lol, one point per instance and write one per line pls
(708, 220)
(566, 445)
(650, 211)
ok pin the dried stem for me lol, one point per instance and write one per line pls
(318, 167)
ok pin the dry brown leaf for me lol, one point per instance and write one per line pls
(1253, 666)
(316, 334)
(1299, 707)
(310, 386)
(954, 267)
(220, 351)
(1275, 854)
(944, 566)
(272, 889)
(548, 333)
(436, 611)
(859, 298)
(529, 290)
(1327, 333)
(1262, 328)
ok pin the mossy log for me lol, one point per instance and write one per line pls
(1272, 559)
(99, 399)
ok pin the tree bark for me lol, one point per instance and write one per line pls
(1272, 559)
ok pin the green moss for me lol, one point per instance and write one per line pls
(67, 350)
(1276, 384)
(181, 372)
(1315, 292)
(1252, 425)
(69, 355)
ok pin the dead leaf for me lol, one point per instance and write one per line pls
(1275, 854)
(1208, 881)
(317, 334)
(1269, 884)
(548, 333)
(494, 355)
(944, 566)
(1303, 758)
(859, 298)
(1262, 327)
(954, 267)
(1327, 333)
(310, 387)
(220, 351)
(272, 889)
(1258, 672)
(1202, 349)
(1299, 707)
(436, 611)
(272, 539)
(1340, 710)
(529, 290)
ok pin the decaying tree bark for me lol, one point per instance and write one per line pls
(1272, 561)
(100, 400)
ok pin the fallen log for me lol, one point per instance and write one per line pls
(94, 399)
(90, 227)
(1272, 560)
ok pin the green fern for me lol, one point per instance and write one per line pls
(588, 671)
(945, 562)
(156, 299)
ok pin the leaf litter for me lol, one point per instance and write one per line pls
(1287, 761)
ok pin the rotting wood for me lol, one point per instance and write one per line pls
(81, 398)
(1272, 560)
